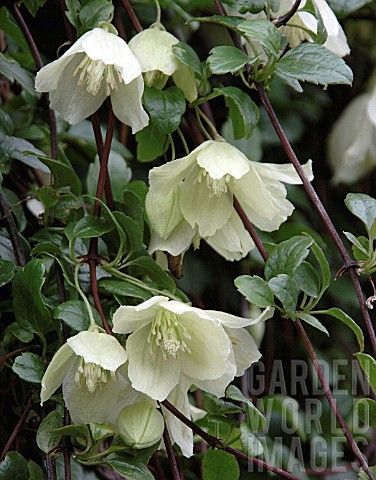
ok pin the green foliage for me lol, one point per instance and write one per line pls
(244, 6)
(86, 15)
(46, 437)
(29, 367)
(128, 467)
(216, 462)
(265, 33)
(13, 71)
(226, 59)
(14, 467)
(165, 108)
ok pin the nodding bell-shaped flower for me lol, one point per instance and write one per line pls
(192, 198)
(296, 28)
(352, 141)
(99, 64)
(91, 367)
(172, 343)
(153, 49)
(140, 425)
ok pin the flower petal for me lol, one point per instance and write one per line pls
(232, 241)
(218, 386)
(58, 368)
(153, 49)
(199, 207)
(209, 348)
(219, 158)
(179, 432)
(102, 406)
(166, 177)
(232, 321)
(283, 172)
(99, 348)
(111, 50)
(149, 373)
(73, 101)
(176, 243)
(185, 79)
(244, 348)
(336, 40)
(127, 105)
(163, 211)
(127, 319)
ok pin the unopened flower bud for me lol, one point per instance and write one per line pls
(140, 425)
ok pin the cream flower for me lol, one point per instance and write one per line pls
(172, 343)
(192, 198)
(352, 141)
(99, 64)
(153, 49)
(91, 368)
(296, 29)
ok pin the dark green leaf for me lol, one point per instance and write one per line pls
(132, 229)
(133, 207)
(287, 256)
(147, 266)
(343, 7)
(313, 63)
(362, 206)
(13, 71)
(347, 320)
(263, 32)
(14, 467)
(124, 288)
(288, 409)
(226, 59)
(368, 365)
(128, 467)
(75, 314)
(6, 124)
(29, 367)
(23, 151)
(33, 5)
(90, 226)
(7, 271)
(255, 289)
(35, 471)
(187, 56)
(225, 21)
(29, 306)
(46, 438)
(64, 175)
(93, 12)
(245, 6)
(324, 268)
(165, 107)
(151, 143)
(311, 320)
(306, 277)
(243, 111)
(286, 290)
(366, 411)
(218, 407)
(216, 462)
(255, 418)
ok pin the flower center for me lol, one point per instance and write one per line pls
(92, 376)
(167, 333)
(217, 187)
(93, 72)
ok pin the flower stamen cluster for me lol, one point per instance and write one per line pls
(92, 376)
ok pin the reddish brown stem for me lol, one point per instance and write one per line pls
(216, 443)
(333, 405)
(17, 428)
(93, 262)
(171, 456)
(132, 15)
(311, 192)
(12, 232)
(39, 64)
(283, 19)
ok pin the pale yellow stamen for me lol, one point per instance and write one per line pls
(217, 187)
(93, 72)
(92, 376)
(168, 333)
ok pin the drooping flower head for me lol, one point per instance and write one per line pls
(352, 151)
(172, 343)
(153, 49)
(296, 28)
(99, 64)
(91, 368)
(192, 198)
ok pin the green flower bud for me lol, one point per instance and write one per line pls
(140, 425)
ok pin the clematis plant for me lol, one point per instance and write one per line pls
(352, 151)
(99, 64)
(192, 198)
(91, 368)
(172, 343)
(153, 49)
(303, 22)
